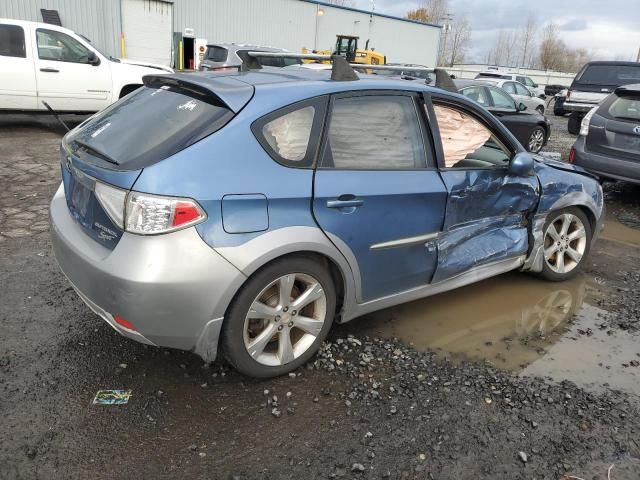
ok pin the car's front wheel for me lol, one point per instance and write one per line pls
(567, 239)
(280, 317)
(536, 139)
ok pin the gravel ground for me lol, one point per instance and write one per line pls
(365, 408)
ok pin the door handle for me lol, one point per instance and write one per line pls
(49, 70)
(345, 201)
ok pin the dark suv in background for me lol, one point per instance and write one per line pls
(593, 83)
(609, 140)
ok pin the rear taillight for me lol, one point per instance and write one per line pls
(152, 214)
(572, 155)
(568, 93)
(586, 121)
(147, 214)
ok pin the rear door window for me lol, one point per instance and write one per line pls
(149, 125)
(12, 41)
(374, 132)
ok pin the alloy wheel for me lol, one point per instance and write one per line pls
(536, 141)
(285, 319)
(565, 243)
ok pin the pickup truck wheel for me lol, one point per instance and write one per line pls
(575, 119)
(566, 240)
(280, 318)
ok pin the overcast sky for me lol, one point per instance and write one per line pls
(609, 28)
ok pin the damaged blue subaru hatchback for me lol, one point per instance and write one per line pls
(246, 212)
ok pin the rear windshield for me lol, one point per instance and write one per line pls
(626, 108)
(147, 126)
(609, 75)
(217, 54)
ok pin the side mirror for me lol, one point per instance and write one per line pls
(521, 107)
(92, 59)
(521, 165)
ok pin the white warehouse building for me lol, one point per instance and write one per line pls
(172, 32)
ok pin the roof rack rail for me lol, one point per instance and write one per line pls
(344, 71)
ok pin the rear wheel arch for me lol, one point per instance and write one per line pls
(127, 89)
(336, 272)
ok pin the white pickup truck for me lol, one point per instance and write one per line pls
(46, 63)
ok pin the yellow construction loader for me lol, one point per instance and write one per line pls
(347, 46)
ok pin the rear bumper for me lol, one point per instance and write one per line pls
(578, 106)
(173, 288)
(604, 165)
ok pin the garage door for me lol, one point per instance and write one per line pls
(147, 30)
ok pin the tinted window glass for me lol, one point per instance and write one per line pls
(501, 99)
(12, 41)
(626, 108)
(609, 75)
(477, 94)
(528, 82)
(288, 135)
(468, 143)
(60, 47)
(147, 126)
(374, 133)
(217, 54)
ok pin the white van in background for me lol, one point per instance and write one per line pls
(40, 63)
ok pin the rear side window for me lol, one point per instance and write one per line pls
(374, 133)
(626, 108)
(291, 135)
(217, 54)
(149, 125)
(12, 41)
(609, 75)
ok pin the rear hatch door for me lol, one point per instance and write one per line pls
(170, 113)
(615, 129)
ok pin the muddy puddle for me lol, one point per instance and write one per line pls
(518, 323)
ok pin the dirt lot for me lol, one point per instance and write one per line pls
(510, 378)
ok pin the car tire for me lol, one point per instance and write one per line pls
(263, 316)
(536, 139)
(540, 109)
(563, 257)
(574, 123)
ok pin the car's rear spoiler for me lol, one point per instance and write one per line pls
(221, 90)
(632, 90)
